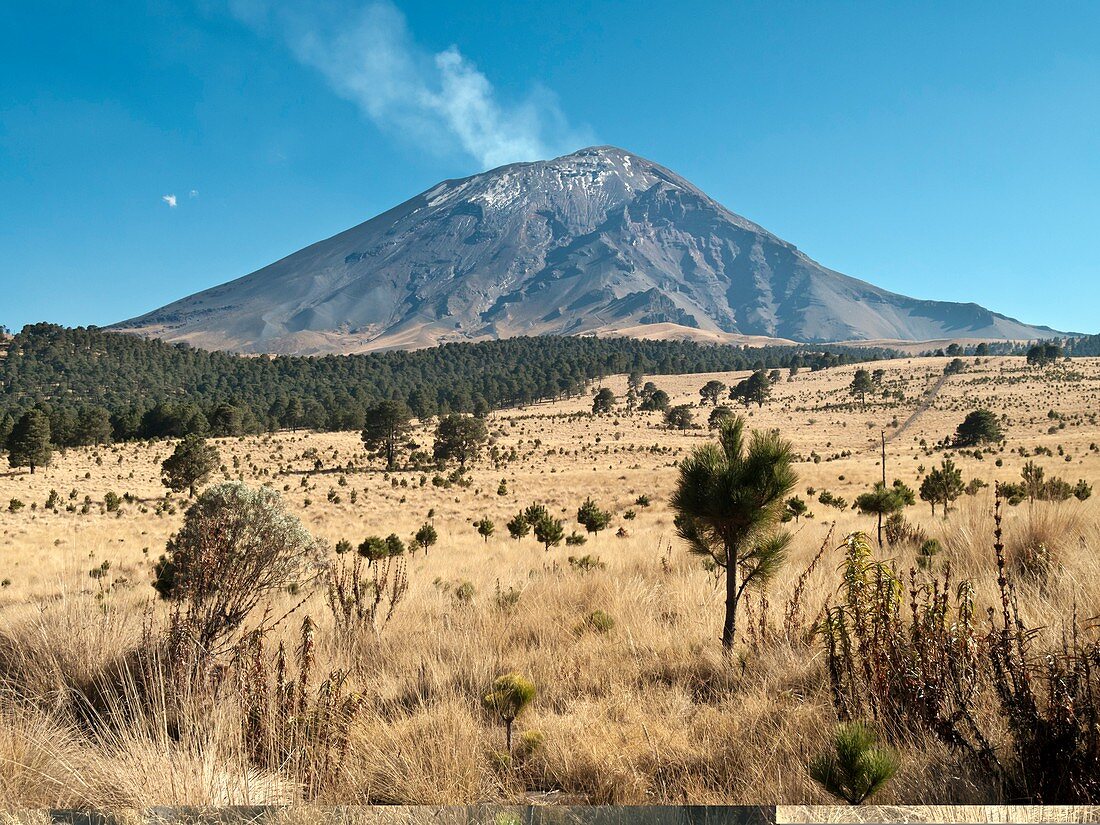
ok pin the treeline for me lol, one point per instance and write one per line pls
(1081, 346)
(96, 386)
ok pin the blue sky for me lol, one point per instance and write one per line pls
(947, 151)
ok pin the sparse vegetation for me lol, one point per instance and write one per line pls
(379, 698)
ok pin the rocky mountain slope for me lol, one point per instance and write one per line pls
(596, 241)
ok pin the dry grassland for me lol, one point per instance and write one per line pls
(648, 712)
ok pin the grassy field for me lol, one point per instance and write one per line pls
(647, 711)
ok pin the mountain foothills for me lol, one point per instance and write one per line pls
(599, 241)
(94, 386)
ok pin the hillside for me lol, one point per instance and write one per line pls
(153, 389)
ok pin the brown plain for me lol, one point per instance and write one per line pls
(649, 712)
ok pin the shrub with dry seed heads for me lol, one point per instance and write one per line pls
(237, 546)
(357, 602)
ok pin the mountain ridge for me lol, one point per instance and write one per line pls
(590, 242)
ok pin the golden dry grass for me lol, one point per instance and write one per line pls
(940, 813)
(647, 713)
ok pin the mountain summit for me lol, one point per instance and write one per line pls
(596, 241)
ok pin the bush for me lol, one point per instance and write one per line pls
(600, 622)
(928, 550)
(507, 599)
(900, 532)
(237, 546)
(530, 743)
(585, 563)
(1021, 716)
(359, 604)
(465, 592)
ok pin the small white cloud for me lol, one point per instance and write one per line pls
(170, 200)
(194, 193)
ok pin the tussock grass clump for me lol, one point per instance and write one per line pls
(1041, 537)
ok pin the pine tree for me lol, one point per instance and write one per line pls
(711, 392)
(29, 443)
(93, 426)
(425, 537)
(943, 485)
(485, 528)
(796, 508)
(459, 437)
(861, 385)
(884, 501)
(980, 426)
(386, 423)
(756, 389)
(856, 768)
(718, 415)
(518, 526)
(603, 402)
(680, 417)
(190, 464)
(226, 420)
(930, 488)
(952, 484)
(656, 401)
(549, 531)
(592, 518)
(509, 696)
(728, 501)
(7, 424)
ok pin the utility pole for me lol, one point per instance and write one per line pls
(883, 434)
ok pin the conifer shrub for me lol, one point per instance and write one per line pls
(855, 768)
(507, 699)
